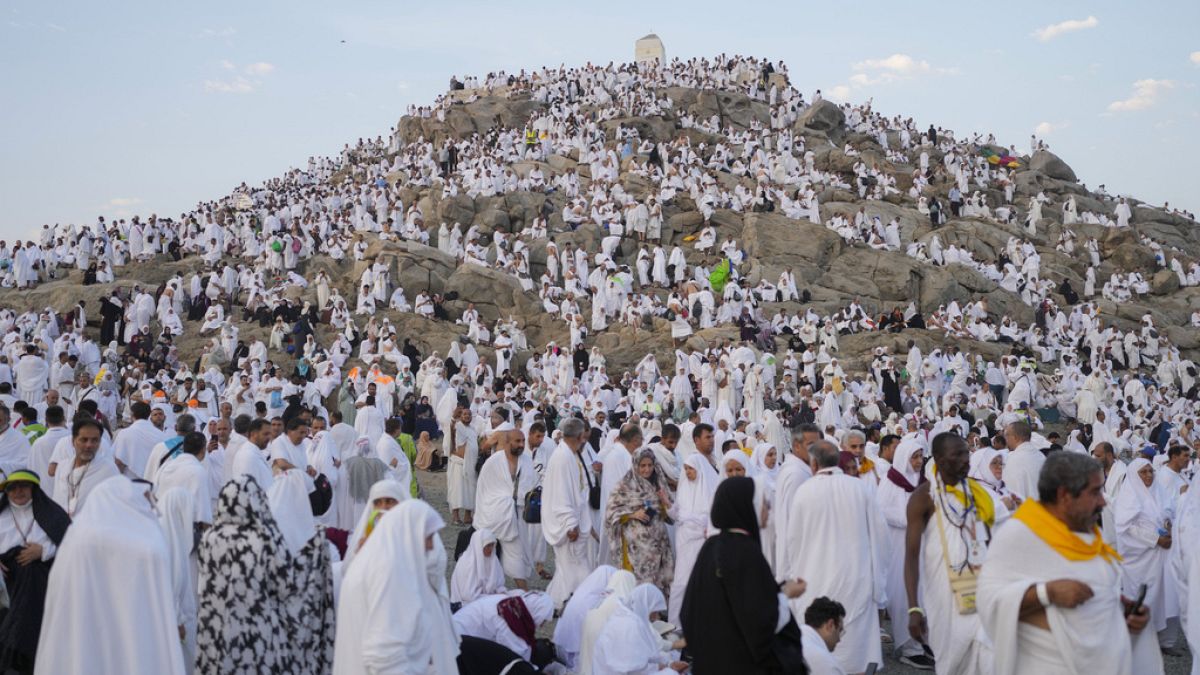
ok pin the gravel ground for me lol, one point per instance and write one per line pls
(433, 487)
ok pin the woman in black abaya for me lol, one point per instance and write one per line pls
(732, 608)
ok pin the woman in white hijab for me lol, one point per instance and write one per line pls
(765, 461)
(478, 571)
(114, 539)
(1143, 539)
(692, 504)
(987, 467)
(734, 461)
(568, 631)
(620, 585)
(175, 516)
(383, 496)
(628, 643)
(394, 613)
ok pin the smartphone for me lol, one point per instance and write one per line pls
(871, 668)
(1137, 605)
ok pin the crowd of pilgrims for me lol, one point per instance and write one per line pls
(248, 499)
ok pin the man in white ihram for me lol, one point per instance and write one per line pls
(1049, 592)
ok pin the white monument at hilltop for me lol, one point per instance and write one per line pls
(649, 48)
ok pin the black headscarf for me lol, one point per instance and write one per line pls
(730, 608)
(733, 506)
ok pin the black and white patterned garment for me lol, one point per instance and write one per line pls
(245, 573)
(311, 610)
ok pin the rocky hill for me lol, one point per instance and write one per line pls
(831, 270)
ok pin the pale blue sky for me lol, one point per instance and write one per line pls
(139, 107)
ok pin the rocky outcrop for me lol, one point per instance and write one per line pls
(1048, 163)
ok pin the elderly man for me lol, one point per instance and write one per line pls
(1049, 593)
(506, 477)
(567, 516)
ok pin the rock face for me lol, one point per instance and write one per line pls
(822, 116)
(1049, 164)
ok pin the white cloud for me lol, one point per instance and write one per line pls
(840, 94)
(402, 85)
(899, 64)
(893, 68)
(1194, 57)
(1047, 128)
(245, 83)
(1047, 33)
(260, 68)
(238, 85)
(1145, 95)
(227, 31)
(120, 207)
(54, 26)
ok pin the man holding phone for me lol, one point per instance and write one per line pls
(1049, 595)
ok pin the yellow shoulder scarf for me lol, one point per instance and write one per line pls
(983, 500)
(1056, 534)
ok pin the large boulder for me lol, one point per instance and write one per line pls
(776, 239)
(1048, 163)
(823, 116)
(494, 293)
(1164, 282)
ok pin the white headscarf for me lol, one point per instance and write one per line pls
(476, 574)
(384, 488)
(740, 457)
(568, 631)
(394, 608)
(1136, 500)
(628, 642)
(620, 586)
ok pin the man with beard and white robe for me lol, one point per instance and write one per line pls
(89, 602)
(1049, 593)
(835, 540)
(506, 477)
(75, 480)
(1024, 461)
(949, 524)
(567, 517)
